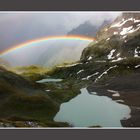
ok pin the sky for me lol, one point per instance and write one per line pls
(19, 27)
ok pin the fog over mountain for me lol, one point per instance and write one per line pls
(88, 29)
(108, 71)
(19, 27)
(50, 53)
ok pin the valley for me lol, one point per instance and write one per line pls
(102, 89)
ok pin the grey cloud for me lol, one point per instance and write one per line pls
(17, 27)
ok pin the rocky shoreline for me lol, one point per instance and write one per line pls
(129, 94)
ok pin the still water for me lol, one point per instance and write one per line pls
(49, 80)
(91, 110)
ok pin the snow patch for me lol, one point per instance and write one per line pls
(134, 30)
(122, 101)
(121, 23)
(138, 25)
(129, 30)
(87, 78)
(110, 55)
(115, 33)
(80, 71)
(116, 93)
(124, 36)
(105, 72)
(137, 66)
(84, 78)
(118, 54)
(136, 20)
(118, 59)
(136, 52)
(90, 58)
(100, 61)
(72, 65)
(47, 90)
(126, 30)
(107, 39)
(106, 29)
(93, 93)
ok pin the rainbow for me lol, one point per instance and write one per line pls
(44, 39)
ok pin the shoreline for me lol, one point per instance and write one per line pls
(129, 98)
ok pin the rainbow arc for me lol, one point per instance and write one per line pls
(44, 39)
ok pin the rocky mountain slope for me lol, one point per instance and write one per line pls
(27, 103)
(124, 25)
(117, 54)
(87, 29)
(24, 104)
(112, 64)
(117, 40)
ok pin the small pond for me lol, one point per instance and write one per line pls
(49, 80)
(92, 110)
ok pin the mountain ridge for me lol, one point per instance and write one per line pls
(87, 29)
(112, 63)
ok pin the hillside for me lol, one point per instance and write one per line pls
(109, 65)
(24, 104)
(112, 64)
(111, 49)
(87, 29)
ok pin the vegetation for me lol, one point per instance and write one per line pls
(23, 100)
(32, 73)
(25, 103)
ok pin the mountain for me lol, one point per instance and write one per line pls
(53, 52)
(112, 64)
(118, 40)
(87, 29)
(125, 25)
(111, 49)
(24, 104)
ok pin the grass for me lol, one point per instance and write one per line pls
(32, 72)
(35, 72)
(23, 101)
(20, 101)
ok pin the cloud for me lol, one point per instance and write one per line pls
(48, 54)
(96, 18)
(18, 27)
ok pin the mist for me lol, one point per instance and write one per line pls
(48, 54)
(19, 27)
